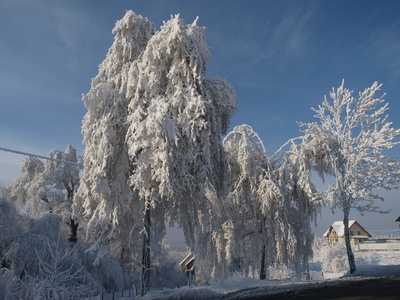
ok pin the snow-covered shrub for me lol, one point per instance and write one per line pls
(9, 284)
(280, 272)
(110, 274)
(107, 272)
(40, 260)
(47, 226)
(60, 276)
(10, 222)
(334, 258)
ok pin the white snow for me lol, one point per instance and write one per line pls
(369, 265)
(339, 227)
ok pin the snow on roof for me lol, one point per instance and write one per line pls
(187, 259)
(339, 226)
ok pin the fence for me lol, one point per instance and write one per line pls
(377, 247)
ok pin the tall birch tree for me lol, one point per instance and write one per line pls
(349, 143)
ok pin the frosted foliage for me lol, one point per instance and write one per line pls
(25, 187)
(106, 165)
(175, 126)
(46, 186)
(60, 276)
(153, 134)
(10, 221)
(290, 202)
(271, 202)
(348, 144)
(246, 160)
(334, 259)
(171, 115)
(19, 249)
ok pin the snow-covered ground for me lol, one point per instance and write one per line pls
(369, 265)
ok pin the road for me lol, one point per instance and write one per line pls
(379, 288)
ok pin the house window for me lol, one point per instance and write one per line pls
(359, 232)
(351, 232)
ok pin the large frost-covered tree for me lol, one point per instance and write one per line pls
(104, 201)
(349, 143)
(153, 134)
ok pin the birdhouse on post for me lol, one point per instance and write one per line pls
(187, 266)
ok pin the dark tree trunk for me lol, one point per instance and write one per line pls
(73, 230)
(263, 274)
(70, 189)
(350, 255)
(146, 252)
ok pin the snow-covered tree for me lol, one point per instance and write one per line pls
(348, 143)
(104, 199)
(153, 138)
(270, 204)
(47, 186)
(176, 120)
(60, 276)
(290, 202)
(244, 227)
(23, 192)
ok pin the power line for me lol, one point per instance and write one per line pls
(42, 157)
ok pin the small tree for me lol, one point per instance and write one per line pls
(60, 276)
(348, 144)
(47, 186)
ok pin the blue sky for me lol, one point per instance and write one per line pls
(281, 57)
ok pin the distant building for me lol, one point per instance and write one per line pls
(398, 220)
(335, 233)
(187, 265)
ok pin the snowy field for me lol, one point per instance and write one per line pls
(369, 265)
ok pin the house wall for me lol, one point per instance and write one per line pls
(355, 230)
(334, 239)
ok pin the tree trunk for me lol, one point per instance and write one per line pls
(146, 252)
(73, 230)
(263, 275)
(350, 255)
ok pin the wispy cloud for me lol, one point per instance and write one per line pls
(268, 38)
(49, 18)
(388, 48)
